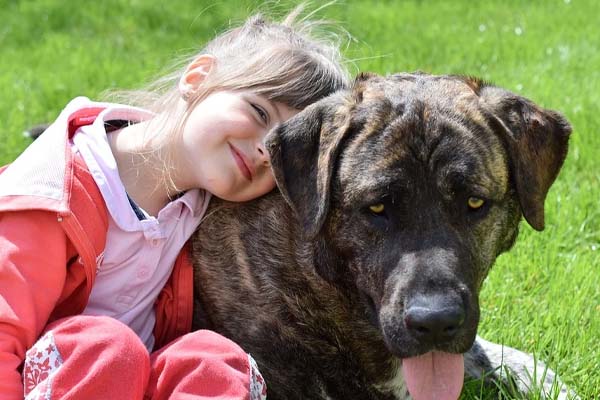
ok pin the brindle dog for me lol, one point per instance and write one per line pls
(395, 198)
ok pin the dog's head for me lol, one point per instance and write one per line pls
(416, 183)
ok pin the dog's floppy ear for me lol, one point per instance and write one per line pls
(537, 142)
(304, 151)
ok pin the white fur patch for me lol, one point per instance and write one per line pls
(396, 385)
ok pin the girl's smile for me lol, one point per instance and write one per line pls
(242, 162)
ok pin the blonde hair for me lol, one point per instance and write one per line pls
(287, 62)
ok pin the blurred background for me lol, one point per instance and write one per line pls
(543, 297)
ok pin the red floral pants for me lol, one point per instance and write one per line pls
(86, 357)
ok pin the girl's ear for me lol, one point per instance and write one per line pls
(195, 73)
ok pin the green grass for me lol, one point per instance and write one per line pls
(544, 296)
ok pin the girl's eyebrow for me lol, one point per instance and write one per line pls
(274, 106)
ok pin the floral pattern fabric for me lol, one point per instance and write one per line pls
(258, 387)
(42, 362)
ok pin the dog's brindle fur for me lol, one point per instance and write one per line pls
(316, 286)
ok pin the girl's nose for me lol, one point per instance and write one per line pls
(263, 155)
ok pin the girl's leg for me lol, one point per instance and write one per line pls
(204, 365)
(86, 357)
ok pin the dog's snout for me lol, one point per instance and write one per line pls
(434, 318)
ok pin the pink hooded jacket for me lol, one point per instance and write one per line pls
(53, 224)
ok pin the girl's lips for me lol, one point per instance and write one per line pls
(242, 162)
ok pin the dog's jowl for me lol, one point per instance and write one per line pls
(360, 277)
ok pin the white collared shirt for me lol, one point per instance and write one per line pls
(139, 254)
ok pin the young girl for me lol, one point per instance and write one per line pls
(96, 287)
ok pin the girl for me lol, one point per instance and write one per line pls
(96, 293)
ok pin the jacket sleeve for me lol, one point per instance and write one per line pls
(33, 259)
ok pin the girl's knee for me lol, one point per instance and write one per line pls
(78, 355)
(96, 334)
(205, 362)
(207, 345)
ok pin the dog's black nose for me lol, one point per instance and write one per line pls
(434, 318)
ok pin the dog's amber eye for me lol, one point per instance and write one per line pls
(377, 208)
(475, 203)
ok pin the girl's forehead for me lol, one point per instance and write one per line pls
(284, 111)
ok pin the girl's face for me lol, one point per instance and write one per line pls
(221, 149)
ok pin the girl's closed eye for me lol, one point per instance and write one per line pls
(264, 116)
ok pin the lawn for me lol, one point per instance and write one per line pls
(544, 296)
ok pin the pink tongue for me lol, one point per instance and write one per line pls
(434, 376)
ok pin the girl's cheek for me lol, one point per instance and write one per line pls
(267, 184)
(271, 183)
